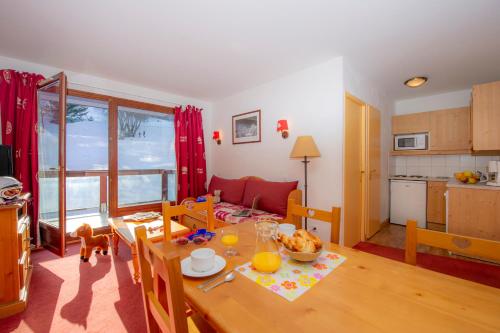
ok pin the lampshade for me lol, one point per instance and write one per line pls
(282, 125)
(305, 146)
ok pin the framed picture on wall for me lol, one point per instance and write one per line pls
(246, 127)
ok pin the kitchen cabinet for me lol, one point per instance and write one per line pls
(411, 123)
(436, 202)
(474, 212)
(450, 129)
(486, 116)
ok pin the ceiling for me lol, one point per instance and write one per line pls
(212, 49)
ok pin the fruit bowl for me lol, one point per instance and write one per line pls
(467, 177)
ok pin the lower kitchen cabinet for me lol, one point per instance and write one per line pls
(474, 212)
(436, 202)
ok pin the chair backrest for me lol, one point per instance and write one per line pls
(332, 217)
(187, 208)
(464, 245)
(162, 288)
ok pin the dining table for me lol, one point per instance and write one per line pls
(366, 293)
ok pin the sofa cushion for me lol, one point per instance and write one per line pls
(273, 196)
(231, 189)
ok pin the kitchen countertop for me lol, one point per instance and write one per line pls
(424, 179)
(479, 186)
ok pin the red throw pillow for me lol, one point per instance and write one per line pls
(232, 189)
(273, 196)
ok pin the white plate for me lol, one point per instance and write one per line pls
(186, 269)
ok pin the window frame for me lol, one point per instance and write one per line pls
(113, 104)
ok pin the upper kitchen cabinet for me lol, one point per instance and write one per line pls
(450, 130)
(486, 116)
(411, 123)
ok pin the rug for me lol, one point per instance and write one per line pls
(68, 296)
(468, 270)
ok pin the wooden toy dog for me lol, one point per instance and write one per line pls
(89, 241)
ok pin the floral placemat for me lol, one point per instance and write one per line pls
(294, 278)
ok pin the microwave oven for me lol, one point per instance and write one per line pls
(416, 141)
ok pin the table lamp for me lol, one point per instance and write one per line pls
(305, 147)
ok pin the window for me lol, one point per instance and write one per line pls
(146, 157)
(120, 158)
(142, 156)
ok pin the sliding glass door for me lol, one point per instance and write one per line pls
(52, 162)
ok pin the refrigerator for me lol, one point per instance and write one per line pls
(409, 202)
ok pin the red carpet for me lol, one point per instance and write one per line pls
(468, 270)
(66, 296)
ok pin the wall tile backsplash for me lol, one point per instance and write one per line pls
(439, 165)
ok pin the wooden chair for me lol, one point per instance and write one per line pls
(163, 290)
(332, 217)
(460, 244)
(187, 209)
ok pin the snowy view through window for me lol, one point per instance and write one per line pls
(145, 144)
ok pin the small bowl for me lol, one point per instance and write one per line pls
(302, 256)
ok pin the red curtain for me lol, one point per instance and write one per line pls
(190, 153)
(18, 113)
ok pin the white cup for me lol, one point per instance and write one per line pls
(287, 229)
(203, 259)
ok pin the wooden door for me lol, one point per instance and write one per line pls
(486, 116)
(436, 202)
(354, 172)
(373, 167)
(450, 129)
(411, 123)
(51, 96)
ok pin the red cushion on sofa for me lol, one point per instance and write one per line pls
(273, 196)
(232, 189)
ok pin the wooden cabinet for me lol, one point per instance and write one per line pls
(15, 260)
(450, 129)
(486, 116)
(436, 202)
(411, 123)
(474, 212)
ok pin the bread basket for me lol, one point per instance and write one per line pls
(302, 256)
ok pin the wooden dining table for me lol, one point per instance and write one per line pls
(366, 293)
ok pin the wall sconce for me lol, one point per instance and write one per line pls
(283, 128)
(216, 137)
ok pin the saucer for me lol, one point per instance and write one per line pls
(186, 269)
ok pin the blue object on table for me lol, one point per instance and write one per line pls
(208, 235)
(201, 199)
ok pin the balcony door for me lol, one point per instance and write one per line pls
(51, 95)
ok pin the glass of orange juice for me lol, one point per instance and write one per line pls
(229, 239)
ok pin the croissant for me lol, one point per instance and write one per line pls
(309, 236)
(301, 241)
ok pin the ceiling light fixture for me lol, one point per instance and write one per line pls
(416, 82)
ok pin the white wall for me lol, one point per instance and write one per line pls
(100, 85)
(356, 84)
(312, 102)
(454, 99)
